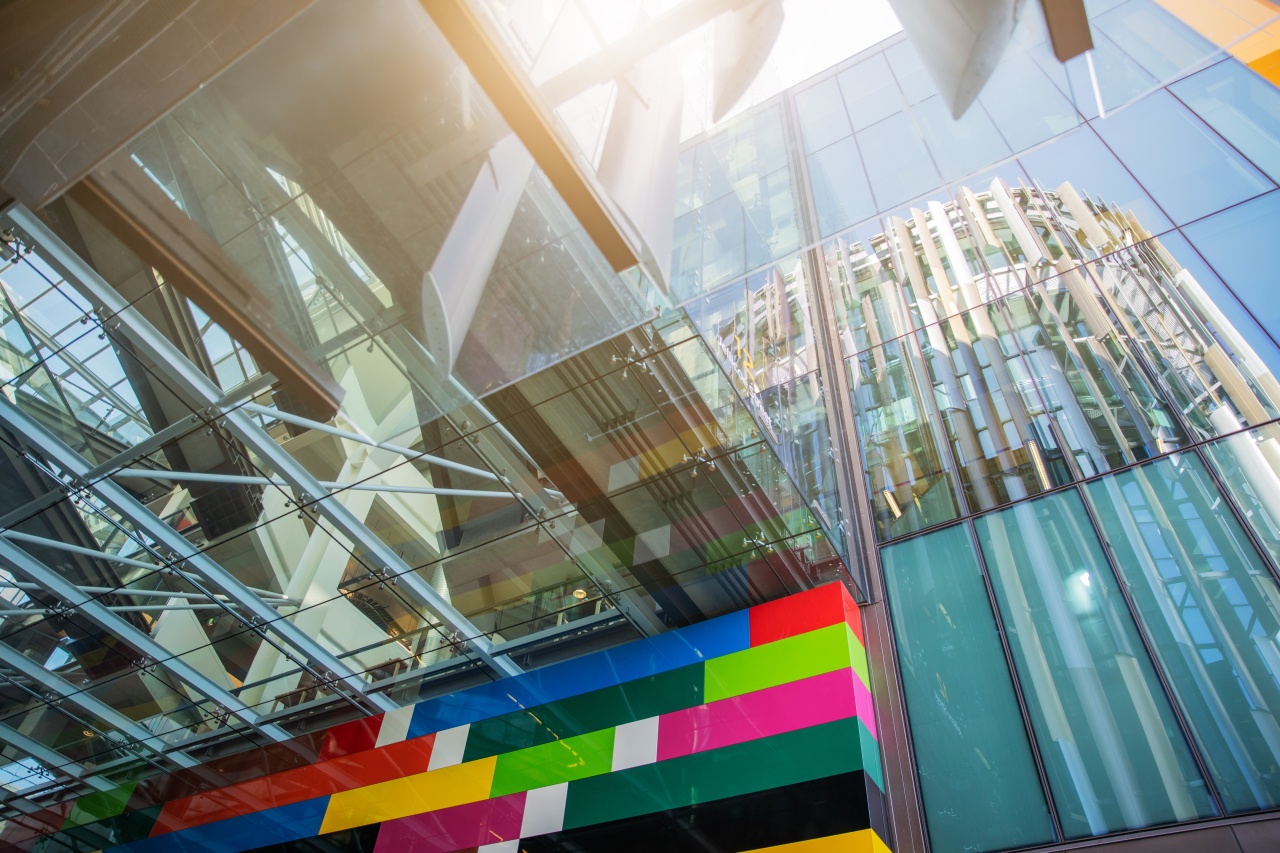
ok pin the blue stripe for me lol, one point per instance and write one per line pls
(233, 835)
(640, 659)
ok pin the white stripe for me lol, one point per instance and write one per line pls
(395, 726)
(544, 810)
(635, 744)
(449, 747)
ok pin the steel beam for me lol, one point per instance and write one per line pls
(53, 582)
(116, 496)
(244, 479)
(24, 665)
(52, 759)
(178, 369)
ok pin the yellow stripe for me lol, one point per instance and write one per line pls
(862, 841)
(422, 792)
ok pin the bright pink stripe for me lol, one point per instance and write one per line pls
(866, 707)
(774, 710)
(457, 828)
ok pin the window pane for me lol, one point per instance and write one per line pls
(1249, 465)
(1185, 166)
(870, 92)
(1025, 105)
(970, 744)
(840, 191)
(909, 483)
(1111, 747)
(1080, 159)
(1241, 106)
(1238, 243)
(821, 112)
(1212, 611)
(898, 164)
(962, 145)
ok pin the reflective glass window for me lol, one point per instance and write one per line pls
(911, 486)
(821, 112)
(1248, 464)
(1111, 746)
(971, 747)
(1213, 613)
(1080, 159)
(910, 72)
(1241, 106)
(1188, 169)
(841, 194)
(870, 91)
(897, 163)
(960, 146)
(1239, 245)
(1154, 37)
(1024, 104)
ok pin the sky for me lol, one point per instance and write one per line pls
(815, 35)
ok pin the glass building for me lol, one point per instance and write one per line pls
(379, 476)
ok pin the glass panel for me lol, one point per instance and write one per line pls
(1024, 104)
(1212, 610)
(1237, 244)
(908, 481)
(1111, 746)
(1249, 465)
(870, 91)
(821, 112)
(998, 427)
(970, 744)
(1080, 159)
(1101, 403)
(1185, 166)
(1161, 43)
(897, 163)
(841, 193)
(869, 307)
(1241, 106)
(959, 146)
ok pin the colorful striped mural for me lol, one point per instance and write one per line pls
(752, 731)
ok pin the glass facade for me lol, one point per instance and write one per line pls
(1009, 378)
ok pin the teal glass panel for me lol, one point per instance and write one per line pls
(1212, 610)
(971, 746)
(1248, 463)
(1241, 106)
(1111, 746)
(1188, 169)
(910, 483)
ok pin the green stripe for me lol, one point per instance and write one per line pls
(600, 709)
(99, 805)
(730, 771)
(871, 756)
(552, 763)
(121, 829)
(824, 650)
(858, 658)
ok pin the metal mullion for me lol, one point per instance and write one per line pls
(1015, 679)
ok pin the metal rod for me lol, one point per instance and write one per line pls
(366, 440)
(149, 593)
(195, 477)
